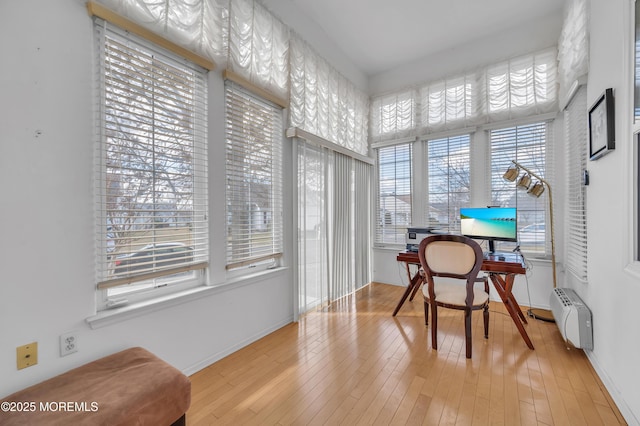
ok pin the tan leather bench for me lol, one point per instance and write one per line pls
(132, 387)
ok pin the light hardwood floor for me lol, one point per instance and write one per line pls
(353, 363)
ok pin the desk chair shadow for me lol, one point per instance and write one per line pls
(458, 257)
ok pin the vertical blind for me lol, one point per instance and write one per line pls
(333, 225)
(254, 178)
(449, 180)
(151, 162)
(575, 198)
(394, 194)
(527, 145)
(313, 215)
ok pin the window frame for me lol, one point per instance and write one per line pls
(163, 281)
(240, 266)
(378, 239)
(455, 227)
(546, 174)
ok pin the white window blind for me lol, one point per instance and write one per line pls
(448, 161)
(576, 220)
(254, 135)
(636, 103)
(527, 145)
(394, 195)
(151, 172)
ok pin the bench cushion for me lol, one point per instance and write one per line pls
(131, 387)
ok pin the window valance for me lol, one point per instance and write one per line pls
(244, 37)
(511, 89)
(197, 25)
(324, 102)
(573, 47)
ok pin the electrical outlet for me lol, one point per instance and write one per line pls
(68, 343)
(27, 355)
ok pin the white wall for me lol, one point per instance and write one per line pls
(613, 288)
(530, 37)
(47, 281)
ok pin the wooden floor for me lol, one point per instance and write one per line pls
(353, 363)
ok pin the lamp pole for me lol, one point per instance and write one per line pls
(544, 314)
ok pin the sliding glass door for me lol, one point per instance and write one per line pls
(333, 225)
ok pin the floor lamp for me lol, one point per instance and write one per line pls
(535, 190)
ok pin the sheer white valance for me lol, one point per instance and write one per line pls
(520, 87)
(451, 103)
(197, 25)
(516, 88)
(259, 47)
(325, 103)
(573, 46)
(240, 34)
(394, 116)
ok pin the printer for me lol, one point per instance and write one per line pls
(415, 235)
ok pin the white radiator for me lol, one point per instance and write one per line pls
(573, 317)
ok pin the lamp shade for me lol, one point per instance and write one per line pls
(536, 190)
(525, 181)
(511, 174)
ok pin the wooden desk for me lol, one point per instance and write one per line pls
(502, 273)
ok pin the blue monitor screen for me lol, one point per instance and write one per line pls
(489, 223)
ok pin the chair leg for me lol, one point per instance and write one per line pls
(485, 314)
(434, 326)
(467, 330)
(426, 312)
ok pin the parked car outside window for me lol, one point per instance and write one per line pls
(153, 256)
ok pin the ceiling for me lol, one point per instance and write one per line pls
(379, 35)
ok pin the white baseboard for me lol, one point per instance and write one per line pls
(629, 416)
(218, 356)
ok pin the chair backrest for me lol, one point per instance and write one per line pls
(453, 256)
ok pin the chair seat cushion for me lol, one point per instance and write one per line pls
(455, 294)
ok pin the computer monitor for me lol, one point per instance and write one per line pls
(489, 223)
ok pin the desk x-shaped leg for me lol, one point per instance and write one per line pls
(504, 285)
(412, 288)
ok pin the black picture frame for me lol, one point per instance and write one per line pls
(602, 139)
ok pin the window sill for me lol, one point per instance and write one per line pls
(113, 316)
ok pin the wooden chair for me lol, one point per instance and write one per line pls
(458, 257)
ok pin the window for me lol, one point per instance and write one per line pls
(394, 193)
(575, 121)
(151, 171)
(637, 66)
(254, 179)
(527, 145)
(449, 177)
(636, 125)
